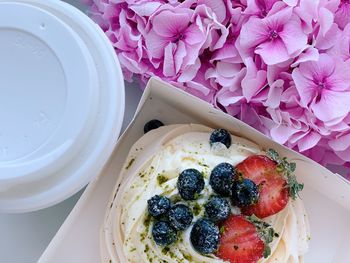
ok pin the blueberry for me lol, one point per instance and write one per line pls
(163, 234)
(205, 236)
(217, 208)
(152, 125)
(244, 192)
(158, 205)
(221, 135)
(180, 216)
(221, 178)
(190, 183)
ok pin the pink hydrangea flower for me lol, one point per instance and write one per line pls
(281, 66)
(276, 38)
(173, 39)
(324, 87)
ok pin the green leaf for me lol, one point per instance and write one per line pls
(286, 169)
(267, 251)
(293, 166)
(273, 155)
(265, 231)
(293, 186)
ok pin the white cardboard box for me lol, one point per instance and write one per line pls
(326, 195)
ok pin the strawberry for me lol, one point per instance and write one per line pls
(239, 241)
(273, 190)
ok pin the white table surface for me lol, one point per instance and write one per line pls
(24, 237)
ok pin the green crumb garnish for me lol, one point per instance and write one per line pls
(287, 169)
(147, 221)
(143, 236)
(203, 164)
(197, 209)
(133, 249)
(188, 257)
(197, 196)
(146, 249)
(168, 252)
(265, 232)
(222, 230)
(175, 198)
(161, 179)
(204, 175)
(165, 250)
(171, 254)
(130, 163)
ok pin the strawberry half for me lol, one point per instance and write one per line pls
(273, 190)
(239, 242)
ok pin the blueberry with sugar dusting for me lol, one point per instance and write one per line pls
(217, 208)
(190, 183)
(180, 216)
(221, 135)
(244, 192)
(152, 125)
(163, 234)
(221, 179)
(205, 236)
(158, 205)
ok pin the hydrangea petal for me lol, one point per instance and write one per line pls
(169, 24)
(332, 105)
(293, 37)
(308, 141)
(273, 52)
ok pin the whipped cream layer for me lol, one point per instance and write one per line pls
(152, 167)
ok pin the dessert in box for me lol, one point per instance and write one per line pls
(326, 196)
(194, 194)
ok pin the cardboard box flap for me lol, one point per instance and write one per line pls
(326, 195)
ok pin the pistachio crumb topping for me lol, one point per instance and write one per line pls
(130, 163)
(161, 179)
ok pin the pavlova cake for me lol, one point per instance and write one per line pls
(190, 193)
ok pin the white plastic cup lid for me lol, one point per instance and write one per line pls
(58, 76)
(48, 93)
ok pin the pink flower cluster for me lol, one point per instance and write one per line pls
(283, 67)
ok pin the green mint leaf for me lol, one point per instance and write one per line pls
(265, 231)
(292, 167)
(273, 155)
(286, 169)
(293, 186)
(267, 251)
